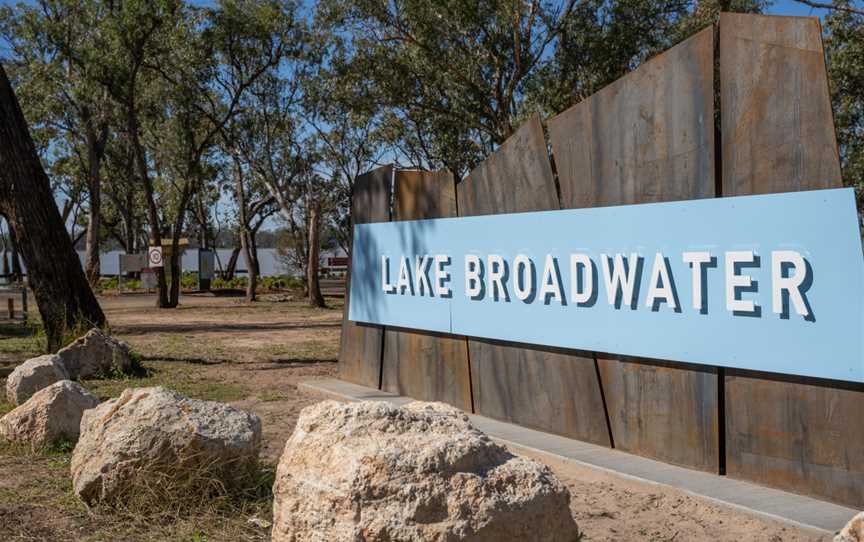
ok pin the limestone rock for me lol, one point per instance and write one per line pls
(373, 471)
(50, 415)
(154, 433)
(853, 531)
(33, 375)
(95, 354)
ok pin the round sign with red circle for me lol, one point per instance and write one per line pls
(154, 256)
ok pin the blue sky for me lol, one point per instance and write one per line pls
(790, 7)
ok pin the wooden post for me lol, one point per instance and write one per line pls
(10, 306)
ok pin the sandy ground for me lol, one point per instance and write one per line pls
(253, 356)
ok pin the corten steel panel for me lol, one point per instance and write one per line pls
(426, 366)
(778, 136)
(797, 434)
(777, 125)
(649, 137)
(360, 344)
(548, 389)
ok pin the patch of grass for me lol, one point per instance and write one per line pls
(23, 341)
(60, 451)
(188, 499)
(307, 351)
(268, 396)
(185, 379)
(180, 347)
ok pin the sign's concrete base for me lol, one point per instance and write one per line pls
(779, 505)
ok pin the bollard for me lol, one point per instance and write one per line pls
(10, 305)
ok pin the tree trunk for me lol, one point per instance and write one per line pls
(245, 234)
(95, 148)
(252, 281)
(312, 283)
(62, 292)
(232, 264)
(17, 271)
(149, 197)
(253, 251)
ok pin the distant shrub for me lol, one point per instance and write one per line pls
(237, 283)
(107, 283)
(189, 280)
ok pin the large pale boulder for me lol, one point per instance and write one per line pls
(853, 531)
(96, 354)
(33, 375)
(151, 434)
(52, 414)
(373, 471)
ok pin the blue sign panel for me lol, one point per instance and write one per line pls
(770, 283)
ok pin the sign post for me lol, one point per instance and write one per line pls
(206, 267)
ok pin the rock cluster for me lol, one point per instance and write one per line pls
(154, 433)
(93, 354)
(32, 376)
(52, 414)
(373, 471)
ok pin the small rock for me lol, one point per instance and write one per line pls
(156, 433)
(50, 415)
(373, 471)
(33, 375)
(853, 531)
(260, 523)
(95, 354)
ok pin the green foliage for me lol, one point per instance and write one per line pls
(236, 283)
(844, 45)
(283, 282)
(189, 280)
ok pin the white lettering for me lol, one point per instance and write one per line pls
(442, 277)
(791, 284)
(660, 273)
(697, 260)
(523, 277)
(735, 281)
(385, 276)
(619, 277)
(583, 261)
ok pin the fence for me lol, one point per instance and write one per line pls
(740, 108)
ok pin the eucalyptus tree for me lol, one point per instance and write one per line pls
(216, 55)
(62, 292)
(844, 46)
(349, 137)
(450, 74)
(278, 146)
(124, 211)
(52, 44)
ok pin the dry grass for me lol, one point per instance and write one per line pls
(186, 379)
(251, 362)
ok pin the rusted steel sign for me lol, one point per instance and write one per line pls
(756, 282)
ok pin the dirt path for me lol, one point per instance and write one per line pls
(253, 356)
